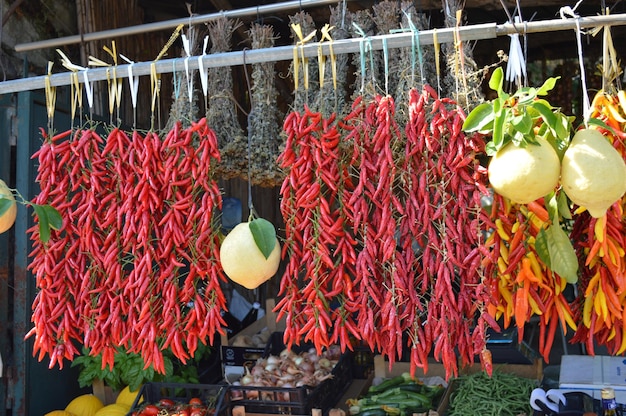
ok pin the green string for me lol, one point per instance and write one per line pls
(386, 58)
(365, 46)
(177, 82)
(415, 44)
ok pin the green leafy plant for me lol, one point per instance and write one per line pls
(130, 370)
(520, 117)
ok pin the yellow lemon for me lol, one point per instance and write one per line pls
(8, 218)
(127, 396)
(593, 173)
(114, 409)
(84, 405)
(242, 260)
(524, 174)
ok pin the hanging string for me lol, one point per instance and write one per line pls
(437, 60)
(88, 92)
(565, 12)
(133, 83)
(204, 74)
(75, 85)
(415, 45)
(365, 48)
(298, 54)
(386, 59)
(189, 77)
(176, 82)
(115, 85)
(322, 58)
(516, 65)
(51, 98)
(252, 213)
(155, 78)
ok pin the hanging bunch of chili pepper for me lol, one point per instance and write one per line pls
(136, 264)
(381, 279)
(442, 186)
(398, 205)
(600, 244)
(521, 284)
(317, 289)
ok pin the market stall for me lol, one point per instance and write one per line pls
(425, 212)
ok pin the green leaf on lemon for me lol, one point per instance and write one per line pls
(44, 223)
(563, 258)
(522, 123)
(5, 204)
(547, 86)
(264, 235)
(563, 206)
(496, 81)
(479, 119)
(54, 218)
(541, 247)
(546, 113)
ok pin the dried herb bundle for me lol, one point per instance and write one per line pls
(183, 109)
(264, 129)
(365, 83)
(304, 96)
(387, 19)
(463, 79)
(413, 73)
(221, 111)
(331, 99)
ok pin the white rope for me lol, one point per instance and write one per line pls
(565, 12)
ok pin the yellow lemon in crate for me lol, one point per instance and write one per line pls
(59, 413)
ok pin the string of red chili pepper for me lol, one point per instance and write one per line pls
(319, 250)
(444, 183)
(127, 275)
(380, 274)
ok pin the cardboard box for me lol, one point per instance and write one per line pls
(234, 358)
(590, 374)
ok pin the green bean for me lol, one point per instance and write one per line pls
(481, 395)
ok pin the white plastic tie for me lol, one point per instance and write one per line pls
(133, 81)
(189, 78)
(88, 89)
(204, 75)
(566, 12)
(516, 65)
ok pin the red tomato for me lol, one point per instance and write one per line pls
(180, 412)
(150, 410)
(197, 411)
(166, 402)
(195, 400)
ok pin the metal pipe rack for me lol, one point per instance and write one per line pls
(353, 45)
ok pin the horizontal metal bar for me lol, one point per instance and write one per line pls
(283, 53)
(170, 24)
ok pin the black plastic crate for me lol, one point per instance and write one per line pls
(362, 363)
(212, 395)
(296, 400)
